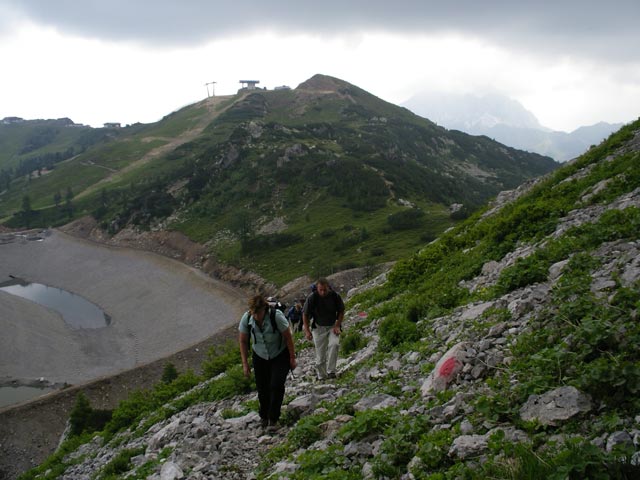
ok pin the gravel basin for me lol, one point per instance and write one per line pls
(157, 306)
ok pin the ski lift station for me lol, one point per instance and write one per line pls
(249, 84)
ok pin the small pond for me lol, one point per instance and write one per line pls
(76, 311)
(13, 395)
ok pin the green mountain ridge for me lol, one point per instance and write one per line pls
(267, 178)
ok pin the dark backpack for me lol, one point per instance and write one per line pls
(293, 315)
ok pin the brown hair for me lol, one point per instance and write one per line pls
(257, 303)
(322, 281)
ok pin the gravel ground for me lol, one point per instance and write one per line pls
(157, 306)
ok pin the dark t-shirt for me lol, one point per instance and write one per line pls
(324, 310)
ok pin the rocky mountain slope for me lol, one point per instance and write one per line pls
(507, 348)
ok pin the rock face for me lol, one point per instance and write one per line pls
(555, 406)
(465, 446)
(171, 471)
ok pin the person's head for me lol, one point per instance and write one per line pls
(322, 287)
(257, 306)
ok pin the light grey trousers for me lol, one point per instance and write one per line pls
(327, 344)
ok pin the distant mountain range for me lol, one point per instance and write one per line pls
(507, 121)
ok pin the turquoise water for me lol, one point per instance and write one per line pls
(76, 311)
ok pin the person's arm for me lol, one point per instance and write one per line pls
(243, 340)
(305, 323)
(288, 338)
(338, 325)
(305, 318)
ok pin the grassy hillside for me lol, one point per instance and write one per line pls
(90, 160)
(23, 140)
(311, 180)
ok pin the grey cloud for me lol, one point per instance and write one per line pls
(572, 27)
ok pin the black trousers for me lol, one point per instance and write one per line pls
(296, 325)
(270, 378)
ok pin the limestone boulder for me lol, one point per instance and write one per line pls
(375, 402)
(555, 406)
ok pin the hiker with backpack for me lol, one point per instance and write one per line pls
(275, 303)
(322, 317)
(294, 315)
(273, 355)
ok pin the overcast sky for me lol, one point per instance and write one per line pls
(570, 63)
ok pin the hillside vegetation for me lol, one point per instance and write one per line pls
(507, 348)
(317, 179)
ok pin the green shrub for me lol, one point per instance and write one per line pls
(352, 341)
(83, 418)
(417, 307)
(581, 459)
(396, 330)
(366, 424)
(169, 373)
(401, 444)
(120, 464)
(54, 466)
(276, 240)
(233, 383)
(405, 219)
(141, 402)
(220, 358)
(433, 449)
(526, 271)
(128, 410)
(306, 431)
(325, 464)
(79, 416)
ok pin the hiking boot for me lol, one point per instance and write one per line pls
(264, 423)
(331, 375)
(273, 427)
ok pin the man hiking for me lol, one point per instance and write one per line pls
(325, 307)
